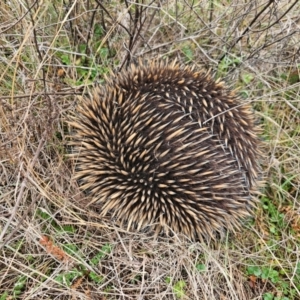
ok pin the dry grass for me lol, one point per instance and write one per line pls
(53, 248)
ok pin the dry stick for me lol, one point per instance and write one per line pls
(132, 43)
(39, 54)
(284, 14)
(132, 35)
(42, 94)
(211, 13)
(211, 10)
(193, 38)
(136, 34)
(87, 50)
(114, 20)
(18, 21)
(145, 30)
(278, 40)
(246, 30)
(271, 43)
(131, 50)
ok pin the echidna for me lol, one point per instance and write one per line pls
(167, 145)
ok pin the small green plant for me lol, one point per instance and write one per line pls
(201, 267)
(4, 296)
(71, 249)
(105, 250)
(96, 278)
(247, 78)
(69, 277)
(45, 216)
(226, 63)
(276, 218)
(87, 67)
(19, 285)
(188, 53)
(269, 296)
(267, 273)
(177, 287)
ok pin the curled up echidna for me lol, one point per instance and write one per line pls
(166, 145)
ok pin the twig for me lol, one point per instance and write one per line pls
(245, 31)
(41, 94)
(18, 21)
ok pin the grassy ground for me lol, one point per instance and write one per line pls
(51, 53)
